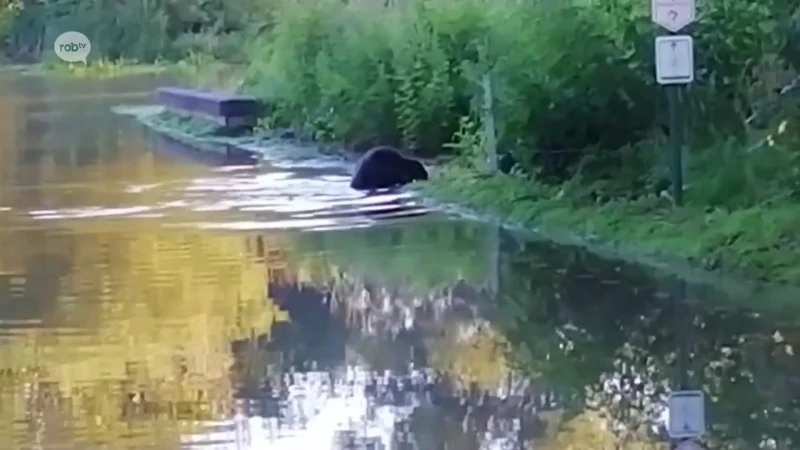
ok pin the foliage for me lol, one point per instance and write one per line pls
(568, 76)
(97, 69)
(9, 11)
(144, 30)
(759, 241)
(574, 323)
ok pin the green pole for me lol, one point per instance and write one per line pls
(676, 132)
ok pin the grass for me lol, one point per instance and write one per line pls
(198, 70)
(97, 69)
(760, 243)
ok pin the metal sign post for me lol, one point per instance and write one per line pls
(674, 69)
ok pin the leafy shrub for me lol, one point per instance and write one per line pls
(573, 83)
(571, 79)
(410, 73)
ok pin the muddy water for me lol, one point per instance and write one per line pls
(149, 300)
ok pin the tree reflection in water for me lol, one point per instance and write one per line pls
(410, 345)
(592, 341)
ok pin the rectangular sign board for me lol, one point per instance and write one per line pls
(687, 415)
(673, 15)
(674, 59)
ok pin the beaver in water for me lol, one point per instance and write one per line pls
(385, 167)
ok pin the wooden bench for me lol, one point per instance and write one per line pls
(226, 109)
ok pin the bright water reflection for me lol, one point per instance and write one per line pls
(144, 301)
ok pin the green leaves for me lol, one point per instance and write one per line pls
(572, 78)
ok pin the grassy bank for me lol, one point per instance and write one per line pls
(577, 113)
(201, 70)
(760, 242)
(576, 110)
(99, 69)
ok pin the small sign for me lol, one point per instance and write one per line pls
(674, 59)
(673, 14)
(687, 415)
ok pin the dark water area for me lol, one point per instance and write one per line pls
(151, 300)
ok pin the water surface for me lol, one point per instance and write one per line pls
(151, 300)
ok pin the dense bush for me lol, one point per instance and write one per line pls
(9, 11)
(567, 76)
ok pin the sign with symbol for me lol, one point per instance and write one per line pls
(687, 415)
(674, 59)
(673, 14)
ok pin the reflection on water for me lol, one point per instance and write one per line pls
(152, 301)
(98, 318)
(597, 342)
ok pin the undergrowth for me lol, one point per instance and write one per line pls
(579, 118)
(97, 69)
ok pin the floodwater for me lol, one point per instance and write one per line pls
(149, 300)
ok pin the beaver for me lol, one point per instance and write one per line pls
(385, 167)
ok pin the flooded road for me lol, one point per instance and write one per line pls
(152, 301)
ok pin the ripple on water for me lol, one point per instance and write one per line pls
(284, 199)
(119, 333)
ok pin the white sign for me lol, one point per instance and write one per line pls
(673, 14)
(687, 415)
(674, 59)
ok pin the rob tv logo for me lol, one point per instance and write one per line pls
(72, 47)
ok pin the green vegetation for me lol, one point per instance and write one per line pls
(758, 241)
(570, 319)
(577, 111)
(192, 129)
(147, 31)
(97, 69)
(200, 41)
(567, 76)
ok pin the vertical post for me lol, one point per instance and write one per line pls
(682, 325)
(676, 135)
(489, 136)
(487, 109)
(674, 69)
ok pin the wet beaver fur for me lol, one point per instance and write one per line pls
(384, 167)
